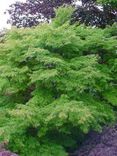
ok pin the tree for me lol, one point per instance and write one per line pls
(91, 12)
(33, 12)
(99, 13)
(57, 83)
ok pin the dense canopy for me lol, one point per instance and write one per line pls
(57, 82)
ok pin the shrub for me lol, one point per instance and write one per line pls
(57, 82)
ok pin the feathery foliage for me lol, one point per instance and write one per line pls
(57, 82)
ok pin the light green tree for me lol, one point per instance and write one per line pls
(57, 82)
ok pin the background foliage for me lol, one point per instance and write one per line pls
(57, 82)
(97, 13)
